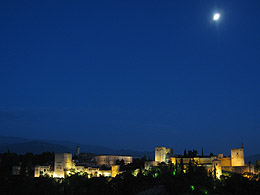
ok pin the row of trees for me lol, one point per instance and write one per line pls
(163, 179)
(190, 153)
(26, 161)
(193, 153)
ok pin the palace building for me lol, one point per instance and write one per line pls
(235, 163)
(108, 165)
(87, 163)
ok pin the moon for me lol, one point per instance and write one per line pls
(216, 16)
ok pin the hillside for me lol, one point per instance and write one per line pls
(35, 147)
(21, 145)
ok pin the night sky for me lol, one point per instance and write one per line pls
(132, 74)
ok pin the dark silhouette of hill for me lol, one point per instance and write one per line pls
(35, 147)
(252, 158)
(105, 150)
(21, 145)
(4, 140)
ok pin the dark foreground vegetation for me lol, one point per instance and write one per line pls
(166, 182)
(159, 180)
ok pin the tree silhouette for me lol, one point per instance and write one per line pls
(194, 153)
(185, 153)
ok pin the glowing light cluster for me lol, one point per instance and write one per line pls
(216, 16)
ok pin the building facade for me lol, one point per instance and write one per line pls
(110, 160)
(62, 164)
(163, 154)
(215, 164)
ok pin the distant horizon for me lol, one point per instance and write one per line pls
(179, 151)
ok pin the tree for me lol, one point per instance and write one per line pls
(215, 172)
(120, 162)
(190, 153)
(258, 165)
(177, 167)
(190, 168)
(104, 167)
(194, 153)
(181, 166)
(185, 153)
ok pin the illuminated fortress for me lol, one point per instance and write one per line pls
(93, 165)
(89, 164)
(219, 163)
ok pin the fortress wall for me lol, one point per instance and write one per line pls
(205, 160)
(110, 160)
(216, 166)
(226, 161)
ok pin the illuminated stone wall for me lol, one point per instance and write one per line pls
(62, 164)
(217, 168)
(239, 169)
(110, 160)
(79, 169)
(42, 170)
(115, 170)
(173, 160)
(237, 157)
(149, 164)
(197, 160)
(160, 154)
(96, 172)
(206, 160)
(225, 161)
(235, 163)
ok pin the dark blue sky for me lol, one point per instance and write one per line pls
(132, 74)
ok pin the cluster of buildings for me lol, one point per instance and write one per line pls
(218, 164)
(107, 165)
(83, 163)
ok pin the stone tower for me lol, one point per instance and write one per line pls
(217, 168)
(77, 152)
(237, 157)
(160, 154)
(163, 154)
(62, 165)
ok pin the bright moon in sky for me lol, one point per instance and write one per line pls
(216, 16)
